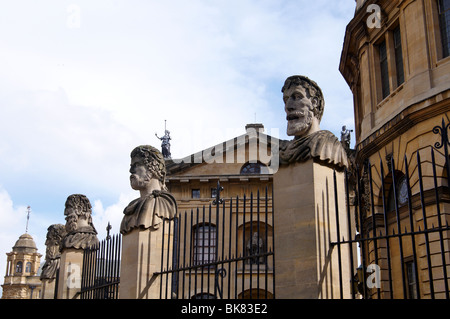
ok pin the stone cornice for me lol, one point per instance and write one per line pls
(397, 126)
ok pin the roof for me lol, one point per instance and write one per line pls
(25, 244)
(254, 135)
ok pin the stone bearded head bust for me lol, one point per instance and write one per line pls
(304, 106)
(148, 172)
(55, 235)
(147, 169)
(81, 232)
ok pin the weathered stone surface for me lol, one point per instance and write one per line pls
(81, 232)
(304, 106)
(55, 235)
(321, 145)
(148, 174)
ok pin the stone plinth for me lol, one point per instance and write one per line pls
(141, 258)
(48, 288)
(69, 282)
(305, 224)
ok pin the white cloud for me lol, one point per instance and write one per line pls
(74, 101)
(112, 214)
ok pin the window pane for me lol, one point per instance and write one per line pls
(256, 248)
(401, 190)
(398, 56)
(195, 193)
(19, 267)
(411, 273)
(444, 20)
(384, 70)
(254, 168)
(204, 244)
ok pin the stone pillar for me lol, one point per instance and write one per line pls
(48, 288)
(305, 224)
(142, 254)
(69, 282)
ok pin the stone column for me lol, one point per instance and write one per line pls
(48, 288)
(144, 253)
(80, 235)
(69, 282)
(147, 229)
(305, 224)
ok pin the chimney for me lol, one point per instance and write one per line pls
(254, 127)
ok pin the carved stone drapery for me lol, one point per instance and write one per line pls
(55, 235)
(322, 145)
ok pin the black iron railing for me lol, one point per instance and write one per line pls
(101, 270)
(224, 251)
(402, 226)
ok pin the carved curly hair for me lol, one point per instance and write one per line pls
(56, 232)
(312, 87)
(153, 160)
(82, 204)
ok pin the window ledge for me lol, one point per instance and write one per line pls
(442, 61)
(254, 270)
(391, 95)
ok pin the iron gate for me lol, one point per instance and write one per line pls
(224, 250)
(101, 269)
(401, 225)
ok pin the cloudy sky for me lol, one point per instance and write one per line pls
(84, 82)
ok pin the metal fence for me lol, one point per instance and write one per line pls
(224, 251)
(101, 270)
(402, 227)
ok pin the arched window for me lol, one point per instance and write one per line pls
(19, 267)
(204, 244)
(255, 294)
(28, 267)
(254, 169)
(255, 248)
(401, 190)
(203, 296)
(255, 238)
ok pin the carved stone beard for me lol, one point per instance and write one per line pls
(71, 223)
(301, 125)
(52, 251)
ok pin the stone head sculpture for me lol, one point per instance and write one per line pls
(78, 213)
(304, 105)
(81, 232)
(148, 170)
(55, 234)
(148, 174)
(53, 242)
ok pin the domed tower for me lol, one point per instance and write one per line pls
(22, 278)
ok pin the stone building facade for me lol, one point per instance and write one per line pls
(395, 59)
(22, 278)
(243, 167)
